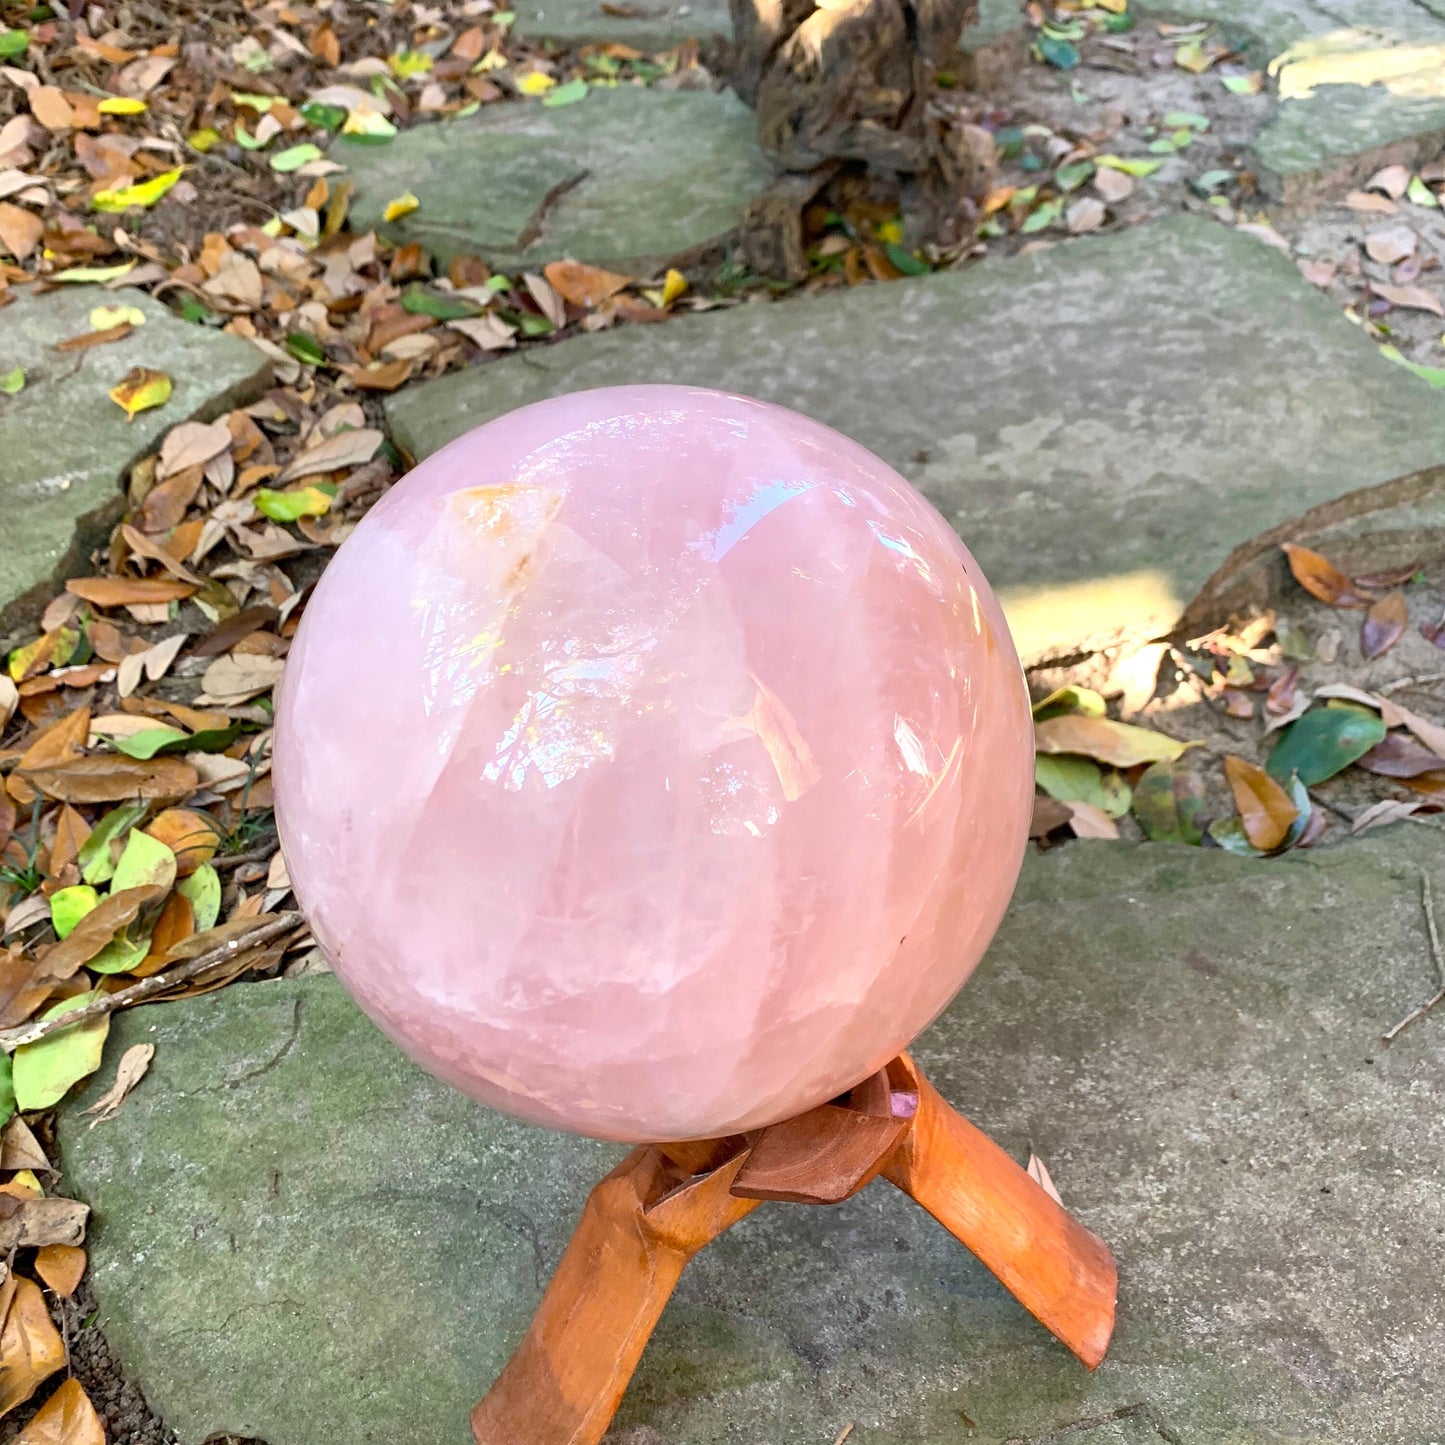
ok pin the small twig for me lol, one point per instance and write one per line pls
(238, 860)
(12, 1039)
(1436, 955)
(1403, 683)
(844, 1433)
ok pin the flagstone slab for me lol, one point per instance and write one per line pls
(299, 1237)
(64, 445)
(630, 178)
(1101, 422)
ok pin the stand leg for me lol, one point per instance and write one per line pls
(638, 1230)
(1060, 1272)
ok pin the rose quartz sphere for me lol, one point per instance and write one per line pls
(653, 763)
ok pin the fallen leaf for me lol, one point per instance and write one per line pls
(128, 591)
(403, 205)
(1120, 744)
(1322, 579)
(1038, 1171)
(68, 906)
(1080, 780)
(1347, 692)
(1384, 625)
(141, 389)
(190, 836)
(1085, 214)
(51, 108)
(1400, 755)
(1087, 821)
(345, 449)
(62, 1267)
(112, 779)
(1393, 180)
(107, 318)
(1387, 810)
(45, 1071)
(1048, 814)
(1411, 298)
(292, 505)
(1429, 733)
(145, 862)
(142, 193)
(1168, 800)
(34, 1223)
(202, 890)
(582, 285)
(1323, 742)
(1070, 699)
(1390, 244)
(66, 1418)
(88, 339)
(1113, 185)
(130, 1071)
(31, 1349)
(191, 444)
(1264, 807)
(20, 230)
(238, 677)
(491, 333)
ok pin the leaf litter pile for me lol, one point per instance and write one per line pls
(185, 153)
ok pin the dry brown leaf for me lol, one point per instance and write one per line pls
(1400, 756)
(1387, 810)
(191, 444)
(9, 699)
(71, 831)
(1038, 1171)
(87, 339)
(114, 779)
(1411, 298)
(93, 932)
(1429, 733)
(1113, 185)
(1089, 821)
(491, 333)
(238, 677)
(20, 230)
(1121, 745)
(1393, 180)
(1085, 214)
(1391, 244)
(128, 591)
(583, 285)
(31, 1223)
(152, 551)
(19, 1149)
(1321, 578)
(1391, 714)
(49, 106)
(66, 1418)
(31, 1349)
(548, 301)
(62, 1267)
(191, 836)
(345, 449)
(1378, 205)
(1264, 807)
(1384, 625)
(129, 1072)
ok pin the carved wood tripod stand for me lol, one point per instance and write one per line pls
(664, 1202)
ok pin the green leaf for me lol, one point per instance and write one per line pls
(568, 94)
(195, 310)
(143, 193)
(13, 43)
(1130, 167)
(1070, 699)
(44, 1072)
(203, 890)
(1434, 375)
(1164, 146)
(1293, 641)
(1229, 834)
(1071, 177)
(1010, 141)
(12, 381)
(1118, 24)
(406, 63)
(7, 1091)
(259, 103)
(445, 308)
(245, 139)
(906, 261)
(209, 740)
(121, 954)
(145, 862)
(1421, 194)
(69, 905)
(1061, 54)
(291, 506)
(305, 347)
(328, 117)
(1042, 217)
(148, 743)
(1189, 119)
(294, 157)
(94, 856)
(1304, 805)
(1210, 181)
(1241, 84)
(1168, 800)
(1323, 742)
(1081, 780)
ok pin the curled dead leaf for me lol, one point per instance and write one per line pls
(1384, 625)
(130, 1071)
(583, 285)
(31, 1349)
(1263, 805)
(31, 1223)
(1321, 578)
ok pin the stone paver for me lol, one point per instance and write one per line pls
(1361, 85)
(1101, 422)
(64, 444)
(629, 178)
(299, 1237)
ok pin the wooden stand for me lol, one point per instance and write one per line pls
(664, 1202)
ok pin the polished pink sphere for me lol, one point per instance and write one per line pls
(653, 763)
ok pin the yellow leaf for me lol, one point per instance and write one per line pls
(145, 193)
(1114, 7)
(403, 205)
(31, 1349)
(891, 231)
(1118, 744)
(674, 284)
(105, 317)
(202, 140)
(121, 105)
(141, 389)
(66, 1418)
(535, 83)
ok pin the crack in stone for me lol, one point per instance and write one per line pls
(270, 1063)
(1142, 1410)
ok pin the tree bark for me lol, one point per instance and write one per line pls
(849, 81)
